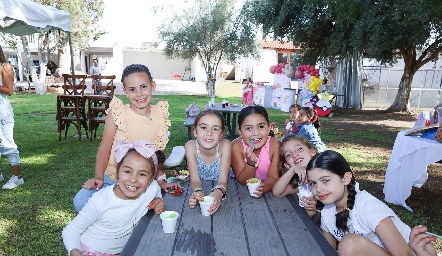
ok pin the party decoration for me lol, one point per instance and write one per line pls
(323, 108)
(272, 69)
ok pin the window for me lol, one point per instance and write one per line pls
(289, 57)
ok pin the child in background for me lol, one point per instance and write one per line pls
(129, 122)
(307, 125)
(290, 126)
(353, 221)
(208, 158)
(247, 90)
(255, 154)
(295, 153)
(106, 222)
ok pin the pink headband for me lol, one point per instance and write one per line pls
(144, 148)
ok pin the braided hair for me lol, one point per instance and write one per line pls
(335, 163)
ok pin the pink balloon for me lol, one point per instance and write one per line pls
(312, 68)
(316, 75)
(272, 69)
(308, 66)
(299, 74)
(282, 65)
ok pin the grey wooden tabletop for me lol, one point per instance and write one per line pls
(242, 226)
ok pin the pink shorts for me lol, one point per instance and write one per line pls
(86, 251)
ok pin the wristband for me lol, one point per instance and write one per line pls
(252, 165)
(162, 177)
(222, 189)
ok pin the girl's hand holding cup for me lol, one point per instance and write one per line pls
(218, 196)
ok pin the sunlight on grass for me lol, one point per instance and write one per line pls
(37, 159)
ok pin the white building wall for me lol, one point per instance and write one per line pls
(159, 66)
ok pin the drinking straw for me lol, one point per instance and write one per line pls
(432, 234)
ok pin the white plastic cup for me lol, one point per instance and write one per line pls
(304, 190)
(205, 205)
(252, 188)
(169, 220)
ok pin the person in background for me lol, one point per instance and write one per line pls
(290, 126)
(208, 158)
(51, 66)
(255, 154)
(95, 69)
(308, 125)
(7, 145)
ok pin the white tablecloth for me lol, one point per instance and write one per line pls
(408, 166)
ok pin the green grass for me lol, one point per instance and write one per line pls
(33, 215)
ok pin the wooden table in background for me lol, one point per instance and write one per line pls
(242, 226)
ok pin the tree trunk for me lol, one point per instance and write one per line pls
(402, 101)
(62, 67)
(210, 86)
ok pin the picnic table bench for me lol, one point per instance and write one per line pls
(242, 226)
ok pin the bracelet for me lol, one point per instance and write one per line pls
(162, 177)
(252, 165)
(198, 190)
(222, 189)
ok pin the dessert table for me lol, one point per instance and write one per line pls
(407, 167)
(242, 226)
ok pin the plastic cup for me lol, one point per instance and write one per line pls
(252, 187)
(304, 190)
(205, 205)
(223, 105)
(169, 220)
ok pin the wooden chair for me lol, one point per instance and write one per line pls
(97, 106)
(80, 84)
(69, 112)
(99, 88)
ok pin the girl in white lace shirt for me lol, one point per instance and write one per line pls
(106, 222)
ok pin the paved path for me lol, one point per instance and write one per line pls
(164, 87)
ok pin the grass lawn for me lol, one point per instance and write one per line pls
(33, 215)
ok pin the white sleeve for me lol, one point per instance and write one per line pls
(87, 216)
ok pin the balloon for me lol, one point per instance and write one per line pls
(316, 75)
(299, 74)
(282, 65)
(308, 66)
(289, 72)
(272, 69)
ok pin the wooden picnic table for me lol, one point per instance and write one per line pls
(242, 226)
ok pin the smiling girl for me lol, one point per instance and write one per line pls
(353, 221)
(139, 120)
(106, 222)
(208, 158)
(295, 152)
(255, 154)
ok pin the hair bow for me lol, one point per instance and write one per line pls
(144, 148)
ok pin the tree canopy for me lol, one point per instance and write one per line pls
(212, 30)
(381, 29)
